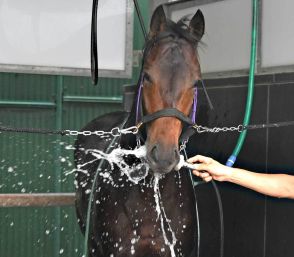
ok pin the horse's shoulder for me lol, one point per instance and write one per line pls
(106, 121)
(102, 123)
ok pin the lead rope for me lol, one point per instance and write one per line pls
(207, 95)
(220, 207)
(196, 205)
(90, 202)
(221, 218)
(139, 14)
(94, 47)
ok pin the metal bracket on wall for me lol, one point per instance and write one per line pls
(137, 57)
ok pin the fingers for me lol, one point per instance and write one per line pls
(201, 174)
(204, 175)
(196, 173)
(202, 168)
(200, 158)
(208, 179)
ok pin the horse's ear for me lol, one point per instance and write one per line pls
(197, 25)
(158, 22)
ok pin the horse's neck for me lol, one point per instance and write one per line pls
(176, 179)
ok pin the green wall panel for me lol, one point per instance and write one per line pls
(40, 163)
(26, 87)
(27, 161)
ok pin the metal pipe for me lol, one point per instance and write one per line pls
(37, 200)
(15, 103)
(92, 99)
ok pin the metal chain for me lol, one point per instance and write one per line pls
(115, 132)
(201, 129)
(183, 145)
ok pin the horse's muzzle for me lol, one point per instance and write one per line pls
(162, 158)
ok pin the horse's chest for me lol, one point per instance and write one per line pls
(131, 224)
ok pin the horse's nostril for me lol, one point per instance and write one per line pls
(163, 159)
(176, 153)
(154, 153)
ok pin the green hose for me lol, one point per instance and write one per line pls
(241, 139)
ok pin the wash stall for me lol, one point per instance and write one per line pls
(45, 84)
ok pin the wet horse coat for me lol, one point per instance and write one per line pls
(124, 219)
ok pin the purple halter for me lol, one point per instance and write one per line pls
(194, 108)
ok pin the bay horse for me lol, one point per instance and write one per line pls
(124, 217)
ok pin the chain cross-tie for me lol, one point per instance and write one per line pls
(115, 132)
(201, 129)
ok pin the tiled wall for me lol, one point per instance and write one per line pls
(254, 225)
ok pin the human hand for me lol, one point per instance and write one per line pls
(208, 169)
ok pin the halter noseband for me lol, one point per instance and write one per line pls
(166, 112)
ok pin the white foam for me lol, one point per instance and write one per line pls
(135, 172)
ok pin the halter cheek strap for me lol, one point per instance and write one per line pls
(194, 108)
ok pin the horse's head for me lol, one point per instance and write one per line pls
(171, 68)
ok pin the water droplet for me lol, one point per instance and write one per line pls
(132, 250)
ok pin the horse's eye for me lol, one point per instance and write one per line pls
(147, 78)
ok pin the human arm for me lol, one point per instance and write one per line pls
(276, 185)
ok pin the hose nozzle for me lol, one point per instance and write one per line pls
(183, 163)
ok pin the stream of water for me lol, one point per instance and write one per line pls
(135, 174)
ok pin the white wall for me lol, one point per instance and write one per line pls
(226, 42)
(56, 33)
(227, 39)
(277, 33)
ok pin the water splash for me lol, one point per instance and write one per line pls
(162, 216)
(135, 172)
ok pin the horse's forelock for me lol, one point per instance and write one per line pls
(173, 30)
